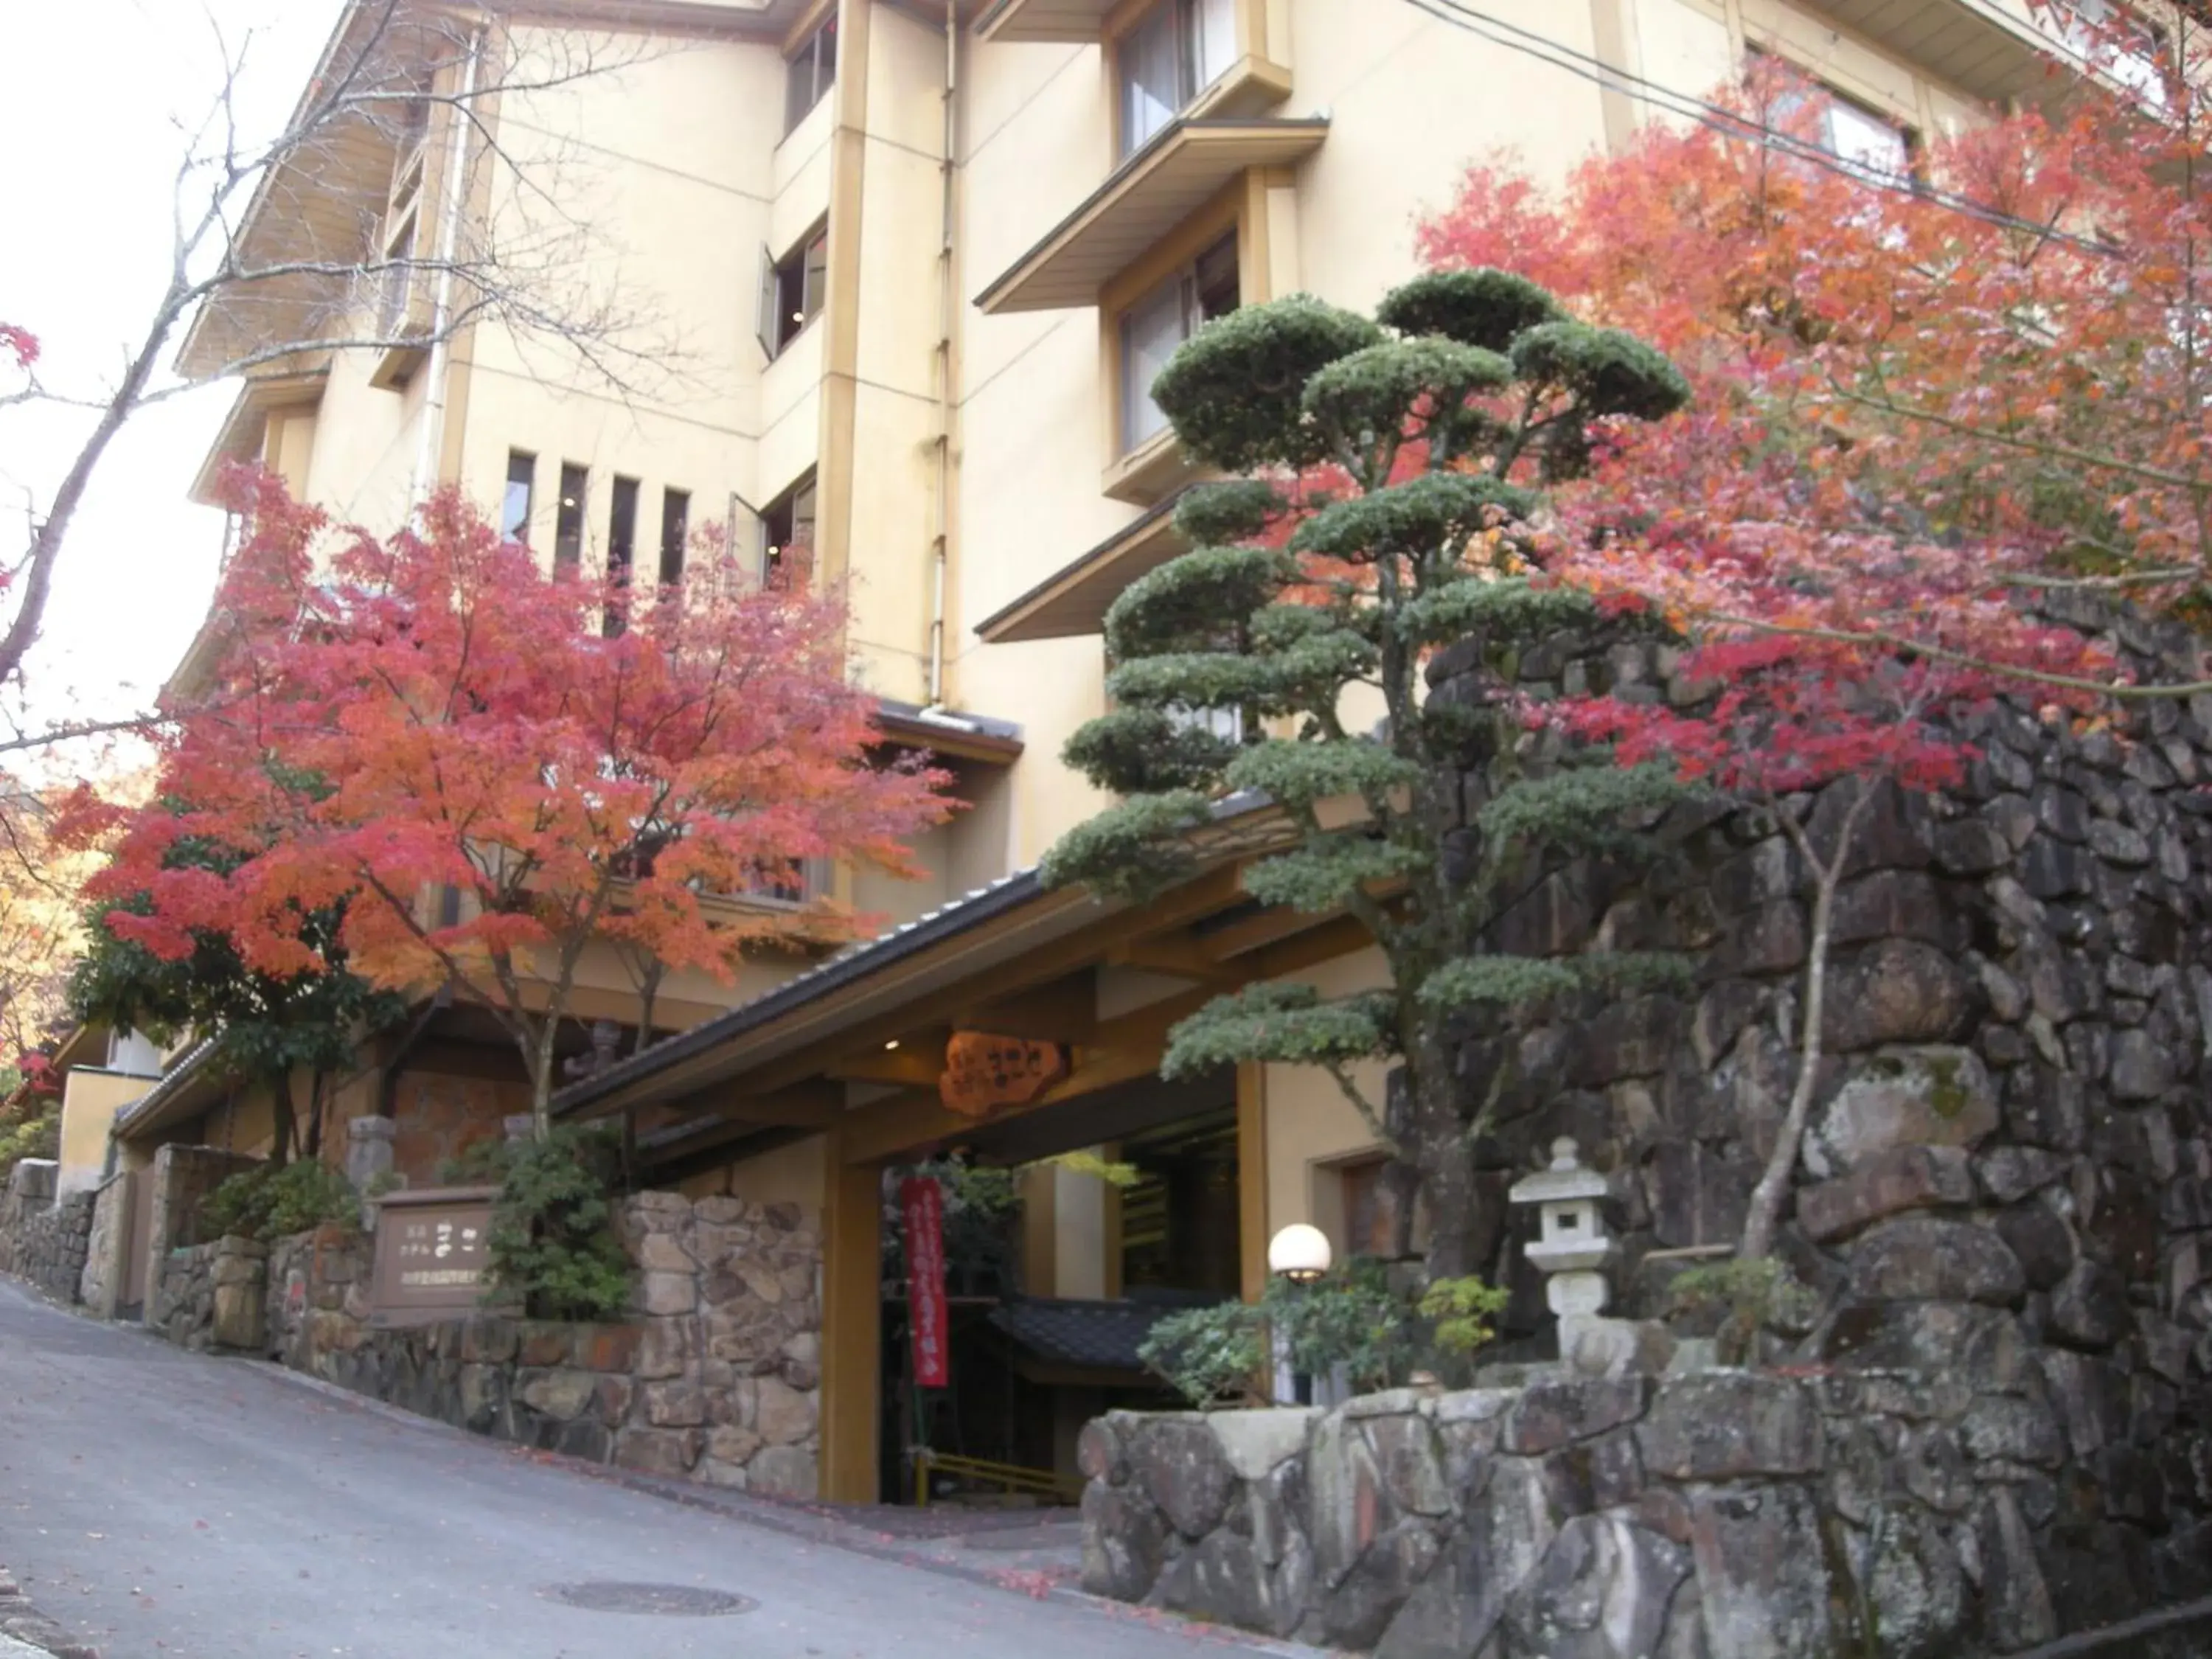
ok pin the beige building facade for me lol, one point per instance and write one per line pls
(897, 275)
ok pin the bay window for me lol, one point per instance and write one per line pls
(1155, 328)
(1176, 51)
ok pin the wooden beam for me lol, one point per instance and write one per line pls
(815, 1103)
(1081, 949)
(1253, 1226)
(1124, 1048)
(1181, 954)
(1064, 1011)
(1121, 1050)
(1268, 927)
(852, 1327)
(917, 1064)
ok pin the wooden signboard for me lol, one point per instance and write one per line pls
(433, 1248)
(985, 1074)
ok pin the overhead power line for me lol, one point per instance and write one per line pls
(1513, 37)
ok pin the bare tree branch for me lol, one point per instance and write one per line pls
(517, 252)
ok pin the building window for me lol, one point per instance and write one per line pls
(787, 531)
(2112, 37)
(1370, 1208)
(621, 543)
(675, 532)
(514, 509)
(1227, 724)
(1179, 48)
(812, 72)
(1154, 330)
(398, 279)
(568, 521)
(792, 289)
(1863, 139)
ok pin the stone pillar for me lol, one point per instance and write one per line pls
(368, 1149)
(369, 1161)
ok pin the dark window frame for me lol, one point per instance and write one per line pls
(675, 534)
(781, 525)
(810, 73)
(793, 290)
(621, 545)
(569, 518)
(514, 527)
(1198, 292)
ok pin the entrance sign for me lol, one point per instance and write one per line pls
(923, 1202)
(433, 1249)
(985, 1074)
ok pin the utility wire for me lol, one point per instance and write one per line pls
(1731, 123)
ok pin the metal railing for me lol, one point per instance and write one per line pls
(1011, 1478)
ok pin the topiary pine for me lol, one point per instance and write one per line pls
(1444, 418)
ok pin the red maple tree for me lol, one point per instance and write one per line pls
(493, 768)
(1929, 408)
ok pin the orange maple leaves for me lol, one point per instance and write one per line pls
(432, 714)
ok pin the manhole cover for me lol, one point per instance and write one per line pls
(669, 1600)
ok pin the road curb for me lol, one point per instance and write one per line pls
(30, 1630)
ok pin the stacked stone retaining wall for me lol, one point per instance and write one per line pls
(2003, 1207)
(1720, 1515)
(210, 1295)
(106, 1271)
(42, 1242)
(715, 1377)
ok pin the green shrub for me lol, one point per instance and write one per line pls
(553, 1242)
(1210, 1355)
(1459, 1310)
(1751, 1295)
(268, 1202)
(36, 1135)
(1357, 1318)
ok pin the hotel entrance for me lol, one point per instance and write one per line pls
(1064, 1235)
(1005, 1050)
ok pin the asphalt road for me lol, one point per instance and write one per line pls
(164, 1503)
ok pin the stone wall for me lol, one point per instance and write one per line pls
(716, 1376)
(102, 1285)
(182, 1177)
(41, 1242)
(2004, 1206)
(210, 1295)
(1720, 1515)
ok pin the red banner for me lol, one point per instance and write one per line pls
(923, 1202)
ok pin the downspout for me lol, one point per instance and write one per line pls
(441, 308)
(940, 550)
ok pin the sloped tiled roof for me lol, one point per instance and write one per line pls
(1097, 1335)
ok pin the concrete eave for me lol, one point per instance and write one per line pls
(1185, 166)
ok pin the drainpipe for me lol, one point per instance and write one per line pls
(941, 546)
(441, 310)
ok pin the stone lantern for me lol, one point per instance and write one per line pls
(1573, 1248)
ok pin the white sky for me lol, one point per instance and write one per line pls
(95, 99)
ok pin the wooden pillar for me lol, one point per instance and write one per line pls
(852, 1327)
(1252, 1178)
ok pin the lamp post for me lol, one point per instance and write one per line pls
(1299, 1254)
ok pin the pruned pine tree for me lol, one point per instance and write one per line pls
(1392, 466)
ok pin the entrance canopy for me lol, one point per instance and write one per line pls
(1075, 992)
